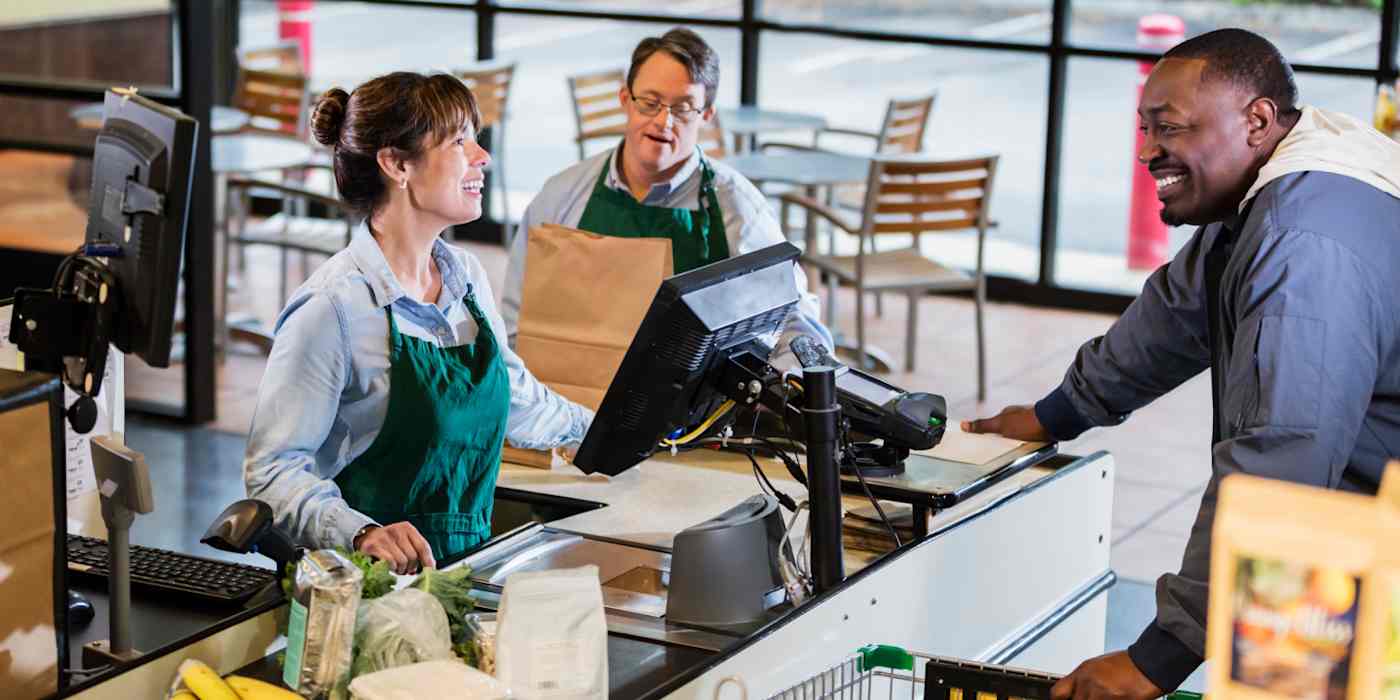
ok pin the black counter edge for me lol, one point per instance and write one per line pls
(691, 674)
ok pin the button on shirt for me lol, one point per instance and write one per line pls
(749, 225)
(326, 388)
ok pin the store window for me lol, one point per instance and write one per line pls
(987, 102)
(130, 42)
(1320, 32)
(1027, 22)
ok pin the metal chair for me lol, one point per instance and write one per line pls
(908, 196)
(282, 57)
(712, 141)
(490, 83)
(276, 102)
(288, 231)
(597, 114)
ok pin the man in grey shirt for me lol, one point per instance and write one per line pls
(1289, 293)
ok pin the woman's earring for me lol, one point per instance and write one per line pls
(403, 184)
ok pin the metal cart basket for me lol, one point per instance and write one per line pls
(889, 672)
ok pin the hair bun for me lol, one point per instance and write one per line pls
(329, 116)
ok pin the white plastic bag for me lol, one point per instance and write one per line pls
(447, 680)
(398, 629)
(551, 636)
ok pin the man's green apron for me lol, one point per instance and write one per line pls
(697, 236)
(435, 461)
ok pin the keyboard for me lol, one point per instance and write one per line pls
(164, 572)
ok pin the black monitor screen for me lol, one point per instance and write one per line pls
(666, 378)
(143, 163)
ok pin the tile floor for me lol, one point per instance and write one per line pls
(1162, 452)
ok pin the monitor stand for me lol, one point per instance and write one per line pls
(125, 485)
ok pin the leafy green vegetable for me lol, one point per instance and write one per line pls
(378, 579)
(453, 589)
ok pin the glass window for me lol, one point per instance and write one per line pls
(987, 102)
(1019, 21)
(127, 42)
(1327, 32)
(348, 43)
(1098, 161)
(684, 8)
(50, 121)
(541, 128)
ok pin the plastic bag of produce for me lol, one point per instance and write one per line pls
(404, 627)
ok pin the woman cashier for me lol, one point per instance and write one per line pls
(390, 388)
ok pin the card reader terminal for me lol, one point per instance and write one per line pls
(913, 420)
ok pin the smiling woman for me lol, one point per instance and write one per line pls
(388, 395)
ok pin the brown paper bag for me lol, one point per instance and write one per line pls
(583, 299)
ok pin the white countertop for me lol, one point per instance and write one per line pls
(664, 495)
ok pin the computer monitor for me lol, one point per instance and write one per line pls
(142, 167)
(668, 378)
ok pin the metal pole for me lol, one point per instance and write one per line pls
(1054, 130)
(822, 417)
(748, 52)
(119, 519)
(197, 77)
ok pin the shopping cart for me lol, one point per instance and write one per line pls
(884, 671)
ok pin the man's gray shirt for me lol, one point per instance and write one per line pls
(1309, 385)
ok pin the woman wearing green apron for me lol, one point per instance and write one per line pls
(390, 390)
(658, 183)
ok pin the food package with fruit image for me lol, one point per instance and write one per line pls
(1287, 562)
(1378, 643)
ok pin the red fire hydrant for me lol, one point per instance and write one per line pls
(1147, 235)
(294, 23)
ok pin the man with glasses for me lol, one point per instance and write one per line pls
(657, 183)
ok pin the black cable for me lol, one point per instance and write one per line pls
(783, 499)
(846, 448)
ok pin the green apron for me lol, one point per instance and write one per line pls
(697, 237)
(435, 460)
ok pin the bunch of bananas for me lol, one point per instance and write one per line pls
(197, 681)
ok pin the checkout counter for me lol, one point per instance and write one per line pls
(1016, 573)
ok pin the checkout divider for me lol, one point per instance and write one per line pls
(1015, 574)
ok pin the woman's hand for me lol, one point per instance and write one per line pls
(400, 545)
(569, 452)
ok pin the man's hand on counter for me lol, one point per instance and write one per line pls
(1109, 677)
(400, 545)
(1015, 422)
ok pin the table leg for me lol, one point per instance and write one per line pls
(922, 513)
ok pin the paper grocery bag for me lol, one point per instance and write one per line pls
(583, 298)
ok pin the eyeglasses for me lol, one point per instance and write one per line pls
(683, 112)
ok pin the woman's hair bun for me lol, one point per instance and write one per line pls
(329, 116)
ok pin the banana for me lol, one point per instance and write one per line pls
(204, 682)
(184, 695)
(254, 689)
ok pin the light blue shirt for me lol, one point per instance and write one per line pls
(326, 389)
(749, 225)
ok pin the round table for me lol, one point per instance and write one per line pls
(250, 152)
(748, 121)
(807, 169)
(222, 120)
